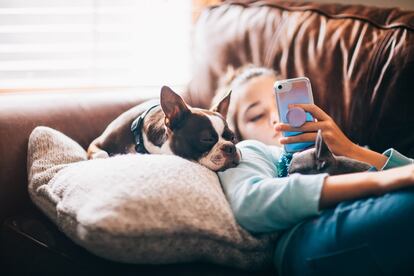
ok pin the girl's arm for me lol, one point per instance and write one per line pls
(353, 186)
(366, 155)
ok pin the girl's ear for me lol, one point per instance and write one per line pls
(174, 107)
(223, 106)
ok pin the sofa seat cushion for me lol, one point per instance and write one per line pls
(139, 208)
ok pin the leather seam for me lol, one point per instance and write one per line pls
(333, 16)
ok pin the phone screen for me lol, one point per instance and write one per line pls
(293, 91)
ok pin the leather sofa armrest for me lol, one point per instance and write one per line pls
(81, 116)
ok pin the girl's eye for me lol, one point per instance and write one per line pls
(256, 118)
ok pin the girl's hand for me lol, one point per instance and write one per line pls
(336, 140)
(333, 136)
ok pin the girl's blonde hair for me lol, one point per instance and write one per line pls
(233, 79)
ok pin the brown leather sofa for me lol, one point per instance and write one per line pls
(359, 59)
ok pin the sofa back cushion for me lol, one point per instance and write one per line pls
(359, 59)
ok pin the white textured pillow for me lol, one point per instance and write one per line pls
(139, 208)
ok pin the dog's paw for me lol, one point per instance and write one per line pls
(100, 155)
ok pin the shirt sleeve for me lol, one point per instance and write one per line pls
(395, 159)
(261, 202)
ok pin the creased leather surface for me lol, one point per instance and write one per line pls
(82, 116)
(359, 59)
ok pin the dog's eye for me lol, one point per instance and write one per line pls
(207, 139)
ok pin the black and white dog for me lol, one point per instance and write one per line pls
(171, 127)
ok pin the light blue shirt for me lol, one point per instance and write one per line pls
(262, 202)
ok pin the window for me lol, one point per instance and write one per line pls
(77, 44)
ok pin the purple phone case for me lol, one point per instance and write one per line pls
(300, 92)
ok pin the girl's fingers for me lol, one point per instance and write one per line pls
(307, 127)
(305, 137)
(314, 110)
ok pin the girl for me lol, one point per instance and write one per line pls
(354, 224)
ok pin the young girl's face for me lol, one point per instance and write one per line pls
(257, 111)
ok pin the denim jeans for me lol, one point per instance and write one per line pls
(371, 236)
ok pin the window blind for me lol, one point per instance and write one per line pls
(52, 44)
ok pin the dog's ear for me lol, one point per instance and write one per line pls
(174, 107)
(323, 154)
(223, 106)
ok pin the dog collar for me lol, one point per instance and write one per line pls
(136, 129)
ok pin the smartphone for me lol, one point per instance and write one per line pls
(293, 91)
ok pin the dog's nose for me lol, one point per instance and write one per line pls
(228, 149)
